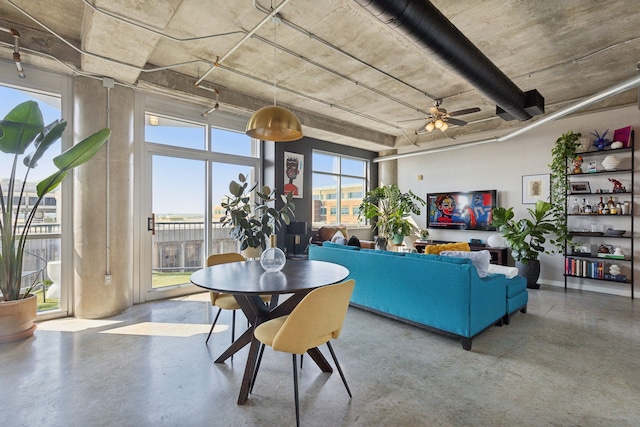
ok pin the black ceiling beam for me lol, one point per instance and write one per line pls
(421, 23)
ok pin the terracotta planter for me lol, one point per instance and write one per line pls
(16, 318)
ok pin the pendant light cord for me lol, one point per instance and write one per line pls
(275, 43)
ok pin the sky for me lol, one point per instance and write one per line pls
(178, 184)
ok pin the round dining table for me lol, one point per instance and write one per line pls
(246, 281)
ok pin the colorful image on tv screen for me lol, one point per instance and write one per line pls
(461, 211)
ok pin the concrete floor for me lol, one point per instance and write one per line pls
(572, 360)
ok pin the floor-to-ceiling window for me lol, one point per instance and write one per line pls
(339, 184)
(190, 161)
(48, 243)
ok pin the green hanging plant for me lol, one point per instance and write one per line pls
(562, 154)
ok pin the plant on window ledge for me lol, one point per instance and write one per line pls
(254, 221)
(562, 153)
(22, 127)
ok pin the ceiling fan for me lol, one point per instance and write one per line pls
(440, 118)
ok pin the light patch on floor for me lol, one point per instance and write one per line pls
(202, 297)
(164, 329)
(74, 325)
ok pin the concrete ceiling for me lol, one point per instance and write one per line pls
(349, 77)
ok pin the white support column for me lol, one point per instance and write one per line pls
(103, 224)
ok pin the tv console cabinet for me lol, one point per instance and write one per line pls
(499, 256)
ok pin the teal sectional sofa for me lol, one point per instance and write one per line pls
(439, 293)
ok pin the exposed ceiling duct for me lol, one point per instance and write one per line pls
(421, 23)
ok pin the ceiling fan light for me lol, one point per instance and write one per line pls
(439, 123)
(429, 127)
(274, 123)
(444, 126)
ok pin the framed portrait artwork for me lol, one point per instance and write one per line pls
(536, 187)
(293, 174)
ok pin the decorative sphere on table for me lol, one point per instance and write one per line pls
(273, 260)
(496, 241)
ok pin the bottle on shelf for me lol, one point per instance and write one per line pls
(575, 206)
(583, 205)
(618, 208)
(587, 208)
(611, 203)
(600, 206)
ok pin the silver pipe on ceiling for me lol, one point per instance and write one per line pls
(421, 23)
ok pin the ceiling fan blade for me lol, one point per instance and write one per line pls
(463, 112)
(457, 122)
(410, 120)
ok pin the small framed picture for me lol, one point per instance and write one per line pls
(592, 166)
(580, 187)
(535, 187)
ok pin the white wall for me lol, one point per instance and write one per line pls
(501, 166)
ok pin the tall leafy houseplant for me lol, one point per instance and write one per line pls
(21, 128)
(563, 152)
(253, 221)
(525, 237)
(392, 208)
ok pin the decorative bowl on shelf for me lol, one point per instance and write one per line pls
(612, 232)
(616, 144)
(610, 163)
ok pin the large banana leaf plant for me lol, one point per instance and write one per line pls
(21, 128)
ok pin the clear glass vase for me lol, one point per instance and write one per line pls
(272, 260)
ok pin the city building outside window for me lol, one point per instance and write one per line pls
(339, 183)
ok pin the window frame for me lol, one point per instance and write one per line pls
(339, 176)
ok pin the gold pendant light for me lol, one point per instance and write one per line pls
(274, 123)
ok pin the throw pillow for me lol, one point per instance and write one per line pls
(341, 241)
(354, 241)
(336, 236)
(480, 259)
(436, 249)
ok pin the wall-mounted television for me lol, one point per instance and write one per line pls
(468, 210)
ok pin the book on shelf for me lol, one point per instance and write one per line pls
(610, 256)
(584, 268)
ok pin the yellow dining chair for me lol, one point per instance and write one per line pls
(316, 320)
(226, 301)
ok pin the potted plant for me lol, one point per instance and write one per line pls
(250, 217)
(526, 237)
(563, 152)
(21, 128)
(392, 209)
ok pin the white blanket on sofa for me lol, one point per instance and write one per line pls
(509, 272)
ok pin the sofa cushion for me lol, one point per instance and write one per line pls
(480, 259)
(340, 246)
(436, 249)
(430, 257)
(515, 286)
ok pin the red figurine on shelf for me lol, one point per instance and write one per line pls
(617, 186)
